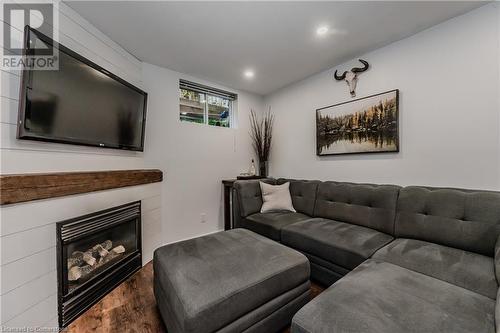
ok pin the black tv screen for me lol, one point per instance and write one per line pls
(80, 103)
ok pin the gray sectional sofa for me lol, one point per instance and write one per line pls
(398, 259)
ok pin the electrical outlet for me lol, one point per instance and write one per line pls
(203, 218)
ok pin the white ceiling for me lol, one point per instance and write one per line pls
(219, 40)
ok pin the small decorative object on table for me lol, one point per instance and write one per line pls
(247, 176)
(252, 169)
(261, 134)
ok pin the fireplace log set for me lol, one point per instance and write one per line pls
(81, 264)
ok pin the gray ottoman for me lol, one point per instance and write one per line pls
(230, 281)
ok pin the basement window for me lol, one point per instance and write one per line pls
(205, 105)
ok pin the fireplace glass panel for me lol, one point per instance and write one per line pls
(95, 253)
(91, 255)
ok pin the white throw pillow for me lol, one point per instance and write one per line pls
(276, 197)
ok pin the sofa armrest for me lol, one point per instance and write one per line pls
(497, 275)
(497, 313)
(236, 212)
(249, 196)
(497, 260)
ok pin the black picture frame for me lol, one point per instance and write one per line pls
(390, 133)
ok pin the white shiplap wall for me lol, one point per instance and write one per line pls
(27, 231)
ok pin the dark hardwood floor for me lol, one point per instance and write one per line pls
(131, 307)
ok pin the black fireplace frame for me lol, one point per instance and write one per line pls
(72, 304)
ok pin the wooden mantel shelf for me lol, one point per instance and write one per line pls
(35, 186)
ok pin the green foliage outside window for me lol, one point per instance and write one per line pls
(204, 108)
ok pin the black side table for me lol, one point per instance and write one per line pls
(228, 199)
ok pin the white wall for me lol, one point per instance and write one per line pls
(27, 230)
(195, 157)
(448, 78)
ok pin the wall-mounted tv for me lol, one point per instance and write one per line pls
(80, 103)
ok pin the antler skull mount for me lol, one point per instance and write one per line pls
(351, 77)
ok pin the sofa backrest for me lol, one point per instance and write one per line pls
(459, 218)
(249, 195)
(303, 193)
(368, 205)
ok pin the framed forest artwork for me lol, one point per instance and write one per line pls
(366, 125)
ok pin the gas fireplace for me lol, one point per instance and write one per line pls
(96, 252)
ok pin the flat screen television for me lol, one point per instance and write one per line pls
(80, 103)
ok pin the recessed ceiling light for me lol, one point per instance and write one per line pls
(321, 31)
(249, 74)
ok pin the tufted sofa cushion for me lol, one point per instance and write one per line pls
(463, 219)
(465, 269)
(372, 206)
(343, 244)
(270, 224)
(303, 194)
(249, 195)
(380, 297)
